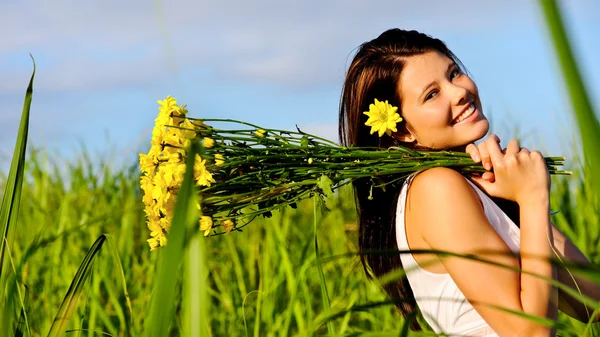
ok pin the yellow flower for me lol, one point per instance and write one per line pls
(201, 174)
(178, 174)
(166, 179)
(228, 225)
(173, 137)
(152, 212)
(260, 133)
(157, 233)
(206, 224)
(219, 159)
(208, 142)
(157, 135)
(153, 243)
(169, 112)
(176, 157)
(382, 118)
(147, 186)
(310, 161)
(160, 186)
(165, 224)
(188, 134)
(147, 163)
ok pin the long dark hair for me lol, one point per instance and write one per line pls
(375, 73)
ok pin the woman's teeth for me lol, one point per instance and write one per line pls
(465, 114)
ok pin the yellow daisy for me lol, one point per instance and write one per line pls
(228, 225)
(219, 159)
(208, 142)
(206, 224)
(201, 174)
(147, 186)
(382, 118)
(260, 133)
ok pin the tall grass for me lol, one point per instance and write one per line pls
(261, 282)
(277, 278)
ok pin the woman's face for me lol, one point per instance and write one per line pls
(440, 104)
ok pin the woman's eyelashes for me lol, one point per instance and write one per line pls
(456, 72)
(453, 74)
(431, 94)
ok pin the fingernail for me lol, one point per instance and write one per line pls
(487, 166)
(476, 158)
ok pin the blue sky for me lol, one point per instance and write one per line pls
(101, 65)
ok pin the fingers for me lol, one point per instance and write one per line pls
(471, 149)
(513, 147)
(494, 150)
(488, 176)
(485, 156)
(486, 160)
(523, 153)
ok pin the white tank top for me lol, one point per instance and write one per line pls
(441, 302)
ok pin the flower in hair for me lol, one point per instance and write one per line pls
(382, 118)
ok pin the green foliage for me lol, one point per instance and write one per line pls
(261, 281)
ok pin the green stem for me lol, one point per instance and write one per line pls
(324, 293)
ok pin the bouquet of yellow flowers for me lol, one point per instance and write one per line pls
(244, 171)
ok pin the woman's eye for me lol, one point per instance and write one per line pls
(455, 73)
(431, 94)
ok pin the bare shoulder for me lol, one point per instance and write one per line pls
(440, 187)
(441, 202)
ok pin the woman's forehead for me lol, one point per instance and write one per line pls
(421, 70)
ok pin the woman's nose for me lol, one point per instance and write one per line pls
(460, 95)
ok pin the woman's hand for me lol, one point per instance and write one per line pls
(481, 154)
(519, 175)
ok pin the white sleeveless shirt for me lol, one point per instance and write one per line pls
(441, 302)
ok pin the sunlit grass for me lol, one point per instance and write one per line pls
(61, 275)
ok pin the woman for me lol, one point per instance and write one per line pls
(419, 78)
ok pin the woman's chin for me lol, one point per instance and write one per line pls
(475, 132)
(481, 128)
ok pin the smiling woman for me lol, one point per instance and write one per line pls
(504, 212)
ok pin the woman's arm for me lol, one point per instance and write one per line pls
(563, 247)
(567, 251)
(453, 219)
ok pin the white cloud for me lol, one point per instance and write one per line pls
(85, 45)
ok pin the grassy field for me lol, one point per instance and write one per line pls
(261, 282)
(76, 261)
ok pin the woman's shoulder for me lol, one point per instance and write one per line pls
(440, 180)
(441, 194)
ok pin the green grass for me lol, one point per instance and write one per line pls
(260, 282)
(61, 274)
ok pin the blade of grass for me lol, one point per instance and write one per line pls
(162, 307)
(12, 192)
(119, 266)
(11, 201)
(23, 320)
(195, 299)
(69, 304)
(582, 106)
(324, 294)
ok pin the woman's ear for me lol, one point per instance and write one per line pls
(405, 138)
(404, 135)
